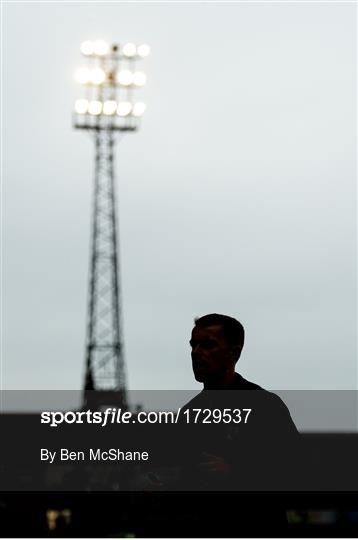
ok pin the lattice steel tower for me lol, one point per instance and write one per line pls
(106, 111)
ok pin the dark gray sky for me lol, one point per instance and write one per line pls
(238, 195)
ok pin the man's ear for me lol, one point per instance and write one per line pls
(235, 353)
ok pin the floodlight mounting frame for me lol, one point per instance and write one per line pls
(90, 127)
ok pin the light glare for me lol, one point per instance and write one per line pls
(87, 48)
(129, 49)
(109, 107)
(100, 47)
(81, 106)
(143, 50)
(83, 75)
(125, 77)
(124, 108)
(138, 109)
(95, 107)
(97, 76)
(139, 78)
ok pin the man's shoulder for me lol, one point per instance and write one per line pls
(254, 392)
(260, 393)
(243, 384)
(270, 408)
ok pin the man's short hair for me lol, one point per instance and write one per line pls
(233, 330)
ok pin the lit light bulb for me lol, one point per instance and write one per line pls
(125, 77)
(83, 75)
(143, 50)
(109, 107)
(95, 107)
(81, 106)
(138, 109)
(129, 49)
(124, 108)
(87, 48)
(139, 78)
(97, 76)
(100, 47)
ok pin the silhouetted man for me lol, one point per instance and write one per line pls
(244, 450)
(224, 461)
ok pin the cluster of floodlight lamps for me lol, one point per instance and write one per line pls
(110, 78)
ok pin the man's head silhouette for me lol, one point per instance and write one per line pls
(216, 344)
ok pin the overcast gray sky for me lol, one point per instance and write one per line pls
(237, 195)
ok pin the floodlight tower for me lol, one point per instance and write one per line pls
(106, 110)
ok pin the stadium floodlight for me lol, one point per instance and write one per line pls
(100, 47)
(95, 107)
(129, 50)
(97, 75)
(109, 107)
(139, 78)
(138, 109)
(87, 48)
(110, 83)
(124, 108)
(143, 50)
(125, 77)
(83, 75)
(81, 106)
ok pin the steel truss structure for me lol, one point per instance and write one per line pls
(106, 111)
(104, 348)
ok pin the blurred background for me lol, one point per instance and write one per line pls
(236, 196)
